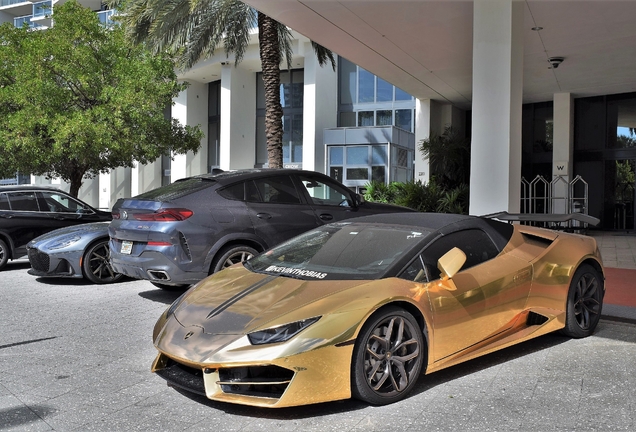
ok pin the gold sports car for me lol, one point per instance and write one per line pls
(364, 307)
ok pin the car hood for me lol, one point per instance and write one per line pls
(98, 228)
(237, 301)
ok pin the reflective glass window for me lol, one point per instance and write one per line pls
(379, 155)
(366, 86)
(365, 118)
(384, 118)
(336, 156)
(279, 189)
(4, 202)
(402, 95)
(23, 201)
(357, 173)
(403, 119)
(384, 91)
(357, 155)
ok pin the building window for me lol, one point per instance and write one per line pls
(291, 98)
(367, 100)
(214, 124)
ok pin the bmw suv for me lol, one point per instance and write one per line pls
(27, 212)
(178, 234)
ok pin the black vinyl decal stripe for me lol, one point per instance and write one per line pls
(229, 302)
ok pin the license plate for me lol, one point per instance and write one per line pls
(126, 247)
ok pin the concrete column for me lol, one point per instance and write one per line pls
(497, 100)
(432, 118)
(120, 180)
(191, 108)
(424, 109)
(238, 118)
(563, 135)
(146, 177)
(562, 150)
(320, 109)
(89, 192)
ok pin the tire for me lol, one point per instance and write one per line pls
(388, 357)
(4, 254)
(167, 287)
(231, 255)
(96, 264)
(584, 302)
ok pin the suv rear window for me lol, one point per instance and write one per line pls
(178, 189)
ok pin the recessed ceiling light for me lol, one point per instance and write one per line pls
(537, 28)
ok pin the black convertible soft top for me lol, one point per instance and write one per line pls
(445, 223)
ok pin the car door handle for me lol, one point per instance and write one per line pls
(263, 215)
(326, 217)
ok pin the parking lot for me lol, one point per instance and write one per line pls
(76, 357)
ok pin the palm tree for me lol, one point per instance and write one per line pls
(193, 30)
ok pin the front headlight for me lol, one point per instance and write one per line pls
(63, 242)
(175, 304)
(281, 333)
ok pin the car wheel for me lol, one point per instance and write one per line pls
(388, 357)
(584, 303)
(96, 264)
(4, 254)
(167, 287)
(232, 255)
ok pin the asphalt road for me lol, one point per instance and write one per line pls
(76, 357)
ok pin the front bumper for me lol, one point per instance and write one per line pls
(315, 376)
(54, 265)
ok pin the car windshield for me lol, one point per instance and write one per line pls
(339, 251)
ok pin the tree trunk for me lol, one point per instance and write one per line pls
(270, 62)
(76, 182)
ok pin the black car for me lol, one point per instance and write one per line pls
(180, 233)
(27, 212)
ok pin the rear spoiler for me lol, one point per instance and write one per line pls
(544, 217)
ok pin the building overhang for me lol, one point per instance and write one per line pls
(425, 47)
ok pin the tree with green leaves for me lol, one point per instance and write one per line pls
(448, 157)
(194, 29)
(78, 99)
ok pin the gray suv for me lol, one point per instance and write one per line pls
(178, 234)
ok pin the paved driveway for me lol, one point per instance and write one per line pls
(76, 357)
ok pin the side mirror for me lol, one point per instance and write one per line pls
(359, 199)
(450, 263)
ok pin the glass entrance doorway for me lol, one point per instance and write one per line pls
(619, 184)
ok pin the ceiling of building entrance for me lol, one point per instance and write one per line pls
(425, 47)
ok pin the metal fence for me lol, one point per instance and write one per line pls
(557, 196)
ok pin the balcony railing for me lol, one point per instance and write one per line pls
(11, 2)
(105, 17)
(19, 22)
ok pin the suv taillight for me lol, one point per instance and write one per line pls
(165, 215)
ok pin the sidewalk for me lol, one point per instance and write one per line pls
(619, 258)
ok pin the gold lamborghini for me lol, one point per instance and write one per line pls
(362, 308)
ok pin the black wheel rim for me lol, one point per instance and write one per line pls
(587, 301)
(237, 257)
(391, 356)
(99, 264)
